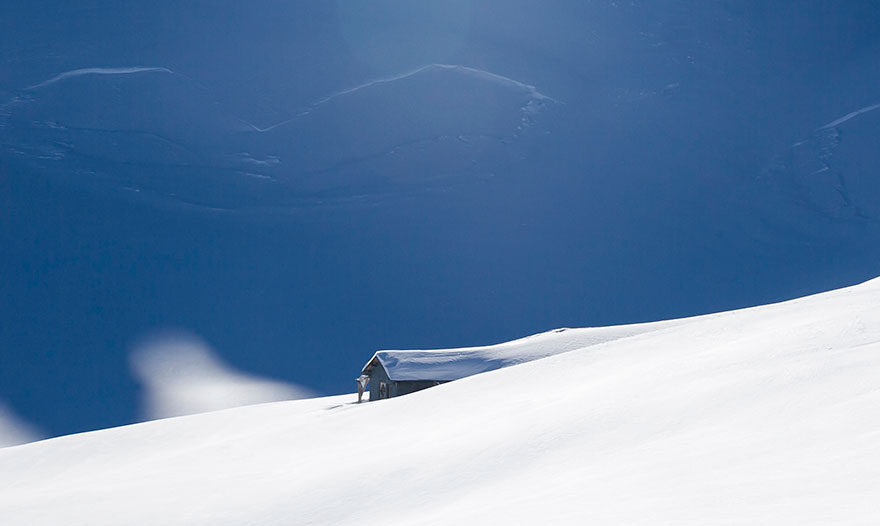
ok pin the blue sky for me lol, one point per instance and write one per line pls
(675, 167)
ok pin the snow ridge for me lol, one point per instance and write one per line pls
(535, 96)
(97, 71)
(487, 75)
(850, 115)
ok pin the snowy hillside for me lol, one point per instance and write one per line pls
(759, 416)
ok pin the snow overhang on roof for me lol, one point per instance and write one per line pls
(452, 364)
(434, 365)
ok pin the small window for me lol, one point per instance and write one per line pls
(383, 390)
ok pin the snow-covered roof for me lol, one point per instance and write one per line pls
(453, 364)
(435, 365)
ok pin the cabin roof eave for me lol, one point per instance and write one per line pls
(371, 363)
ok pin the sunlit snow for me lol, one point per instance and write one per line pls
(760, 416)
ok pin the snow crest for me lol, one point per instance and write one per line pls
(536, 98)
(851, 115)
(98, 71)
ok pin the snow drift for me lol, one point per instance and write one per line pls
(182, 375)
(760, 416)
(13, 431)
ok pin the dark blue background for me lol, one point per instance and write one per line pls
(664, 184)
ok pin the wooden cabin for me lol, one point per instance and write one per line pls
(396, 373)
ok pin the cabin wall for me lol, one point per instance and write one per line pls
(377, 375)
(402, 388)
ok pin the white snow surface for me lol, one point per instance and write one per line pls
(768, 415)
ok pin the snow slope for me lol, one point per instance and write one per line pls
(767, 415)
